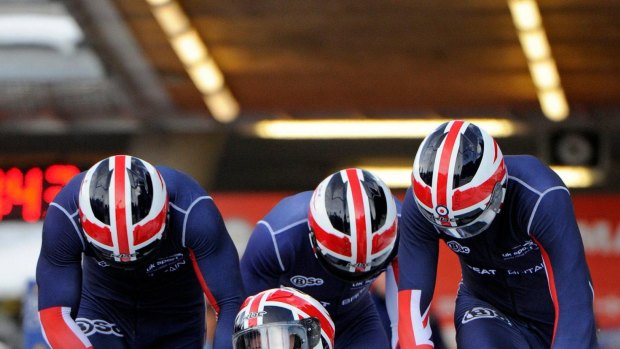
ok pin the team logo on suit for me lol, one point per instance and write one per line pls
(306, 281)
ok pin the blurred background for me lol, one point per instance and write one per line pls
(259, 99)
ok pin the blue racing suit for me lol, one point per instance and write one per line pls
(84, 302)
(279, 253)
(525, 281)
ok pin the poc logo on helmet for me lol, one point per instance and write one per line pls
(254, 314)
(306, 281)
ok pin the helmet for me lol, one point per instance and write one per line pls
(459, 178)
(283, 318)
(123, 206)
(352, 219)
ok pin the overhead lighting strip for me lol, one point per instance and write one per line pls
(367, 128)
(528, 22)
(399, 177)
(193, 53)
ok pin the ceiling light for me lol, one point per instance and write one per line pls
(577, 176)
(525, 14)
(206, 76)
(171, 18)
(222, 105)
(189, 47)
(193, 53)
(157, 2)
(399, 177)
(367, 128)
(535, 44)
(58, 31)
(396, 177)
(528, 21)
(545, 74)
(553, 103)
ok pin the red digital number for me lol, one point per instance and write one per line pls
(57, 176)
(26, 189)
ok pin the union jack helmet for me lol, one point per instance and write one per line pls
(353, 222)
(123, 207)
(283, 318)
(459, 178)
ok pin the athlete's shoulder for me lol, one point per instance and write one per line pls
(399, 205)
(183, 189)
(67, 197)
(527, 171)
(176, 179)
(291, 208)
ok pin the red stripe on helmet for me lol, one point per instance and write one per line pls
(100, 234)
(337, 244)
(255, 308)
(422, 192)
(308, 308)
(382, 241)
(357, 192)
(443, 171)
(462, 199)
(120, 205)
(142, 233)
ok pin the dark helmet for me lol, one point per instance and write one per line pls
(459, 178)
(123, 207)
(283, 318)
(353, 221)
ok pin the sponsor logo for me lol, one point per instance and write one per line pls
(483, 313)
(359, 284)
(532, 270)
(254, 314)
(355, 296)
(458, 248)
(306, 281)
(166, 264)
(442, 210)
(482, 271)
(520, 251)
(358, 265)
(90, 327)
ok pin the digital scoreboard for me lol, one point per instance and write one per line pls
(25, 193)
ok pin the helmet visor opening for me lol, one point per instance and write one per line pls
(344, 270)
(272, 336)
(128, 261)
(484, 219)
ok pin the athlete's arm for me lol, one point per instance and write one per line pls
(555, 231)
(216, 264)
(391, 299)
(261, 264)
(417, 259)
(59, 278)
